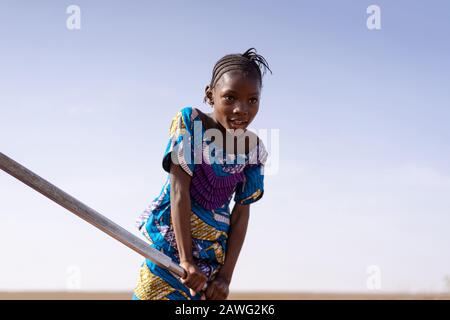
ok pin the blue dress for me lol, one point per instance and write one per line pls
(215, 177)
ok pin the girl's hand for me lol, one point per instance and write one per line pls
(195, 279)
(218, 289)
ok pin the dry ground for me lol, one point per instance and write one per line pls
(233, 296)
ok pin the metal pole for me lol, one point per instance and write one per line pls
(84, 212)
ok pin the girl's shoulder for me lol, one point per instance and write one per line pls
(188, 115)
(183, 120)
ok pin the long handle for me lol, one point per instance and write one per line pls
(84, 212)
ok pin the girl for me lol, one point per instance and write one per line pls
(190, 220)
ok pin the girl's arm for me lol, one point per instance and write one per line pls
(181, 211)
(180, 203)
(236, 236)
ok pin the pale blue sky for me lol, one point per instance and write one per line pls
(363, 115)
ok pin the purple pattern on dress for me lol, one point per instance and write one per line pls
(233, 168)
(212, 191)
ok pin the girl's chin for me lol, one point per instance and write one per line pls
(236, 132)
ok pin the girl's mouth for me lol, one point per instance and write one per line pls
(237, 123)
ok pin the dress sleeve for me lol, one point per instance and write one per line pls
(180, 149)
(252, 188)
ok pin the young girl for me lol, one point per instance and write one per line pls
(190, 220)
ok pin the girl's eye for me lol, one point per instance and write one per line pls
(229, 98)
(253, 100)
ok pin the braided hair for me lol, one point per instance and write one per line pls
(248, 62)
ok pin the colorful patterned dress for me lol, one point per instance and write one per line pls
(215, 178)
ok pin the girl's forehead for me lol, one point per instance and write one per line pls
(239, 80)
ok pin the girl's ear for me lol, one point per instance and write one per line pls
(209, 95)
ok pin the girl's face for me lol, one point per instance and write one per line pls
(235, 99)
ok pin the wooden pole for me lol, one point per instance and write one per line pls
(84, 212)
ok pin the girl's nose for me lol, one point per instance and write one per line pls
(240, 109)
